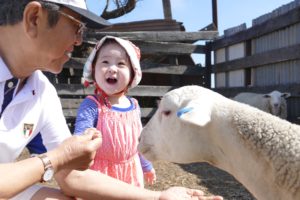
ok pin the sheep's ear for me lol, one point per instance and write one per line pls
(286, 95)
(195, 113)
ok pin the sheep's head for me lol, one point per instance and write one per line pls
(174, 132)
(276, 100)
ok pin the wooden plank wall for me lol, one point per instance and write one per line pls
(166, 64)
(262, 58)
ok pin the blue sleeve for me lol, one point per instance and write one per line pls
(87, 116)
(146, 164)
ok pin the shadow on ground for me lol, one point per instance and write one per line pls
(218, 181)
(200, 176)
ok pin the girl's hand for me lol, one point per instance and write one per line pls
(150, 177)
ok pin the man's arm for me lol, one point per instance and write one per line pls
(76, 152)
(17, 176)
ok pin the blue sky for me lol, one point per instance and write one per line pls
(196, 14)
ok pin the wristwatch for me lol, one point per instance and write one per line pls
(48, 169)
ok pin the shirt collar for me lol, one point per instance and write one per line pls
(4, 71)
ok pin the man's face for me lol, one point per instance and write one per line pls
(55, 44)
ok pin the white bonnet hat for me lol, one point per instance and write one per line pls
(132, 51)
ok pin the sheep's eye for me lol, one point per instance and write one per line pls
(166, 112)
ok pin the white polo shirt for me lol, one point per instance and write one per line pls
(36, 108)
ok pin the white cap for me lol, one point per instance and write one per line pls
(79, 6)
(132, 51)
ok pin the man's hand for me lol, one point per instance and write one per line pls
(77, 152)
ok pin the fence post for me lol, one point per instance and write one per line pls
(208, 66)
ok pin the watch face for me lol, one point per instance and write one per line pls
(48, 174)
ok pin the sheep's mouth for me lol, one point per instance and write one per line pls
(144, 148)
(111, 80)
(147, 151)
(149, 154)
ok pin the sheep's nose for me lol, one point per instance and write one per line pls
(139, 139)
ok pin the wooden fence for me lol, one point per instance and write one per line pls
(262, 58)
(166, 64)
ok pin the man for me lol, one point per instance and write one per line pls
(40, 36)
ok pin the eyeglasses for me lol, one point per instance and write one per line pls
(81, 26)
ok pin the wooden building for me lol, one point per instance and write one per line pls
(261, 58)
(166, 62)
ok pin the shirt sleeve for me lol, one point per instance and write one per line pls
(146, 164)
(87, 116)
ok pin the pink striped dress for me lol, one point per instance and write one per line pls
(118, 156)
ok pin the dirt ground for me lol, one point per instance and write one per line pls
(197, 175)
(200, 176)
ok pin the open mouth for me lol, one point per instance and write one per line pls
(111, 80)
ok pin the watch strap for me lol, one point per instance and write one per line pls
(46, 162)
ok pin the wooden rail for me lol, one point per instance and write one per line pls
(141, 90)
(160, 36)
(166, 64)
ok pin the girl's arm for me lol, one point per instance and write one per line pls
(87, 116)
(146, 164)
(148, 170)
(90, 184)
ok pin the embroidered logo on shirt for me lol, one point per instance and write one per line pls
(27, 130)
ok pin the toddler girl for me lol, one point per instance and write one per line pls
(114, 67)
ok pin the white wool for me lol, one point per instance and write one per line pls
(195, 124)
(273, 102)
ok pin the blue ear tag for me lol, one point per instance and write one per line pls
(183, 111)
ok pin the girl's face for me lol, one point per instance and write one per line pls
(112, 69)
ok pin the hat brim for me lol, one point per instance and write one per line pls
(92, 20)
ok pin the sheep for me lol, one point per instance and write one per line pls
(195, 124)
(273, 102)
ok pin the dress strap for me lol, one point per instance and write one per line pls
(93, 98)
(99, 101)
